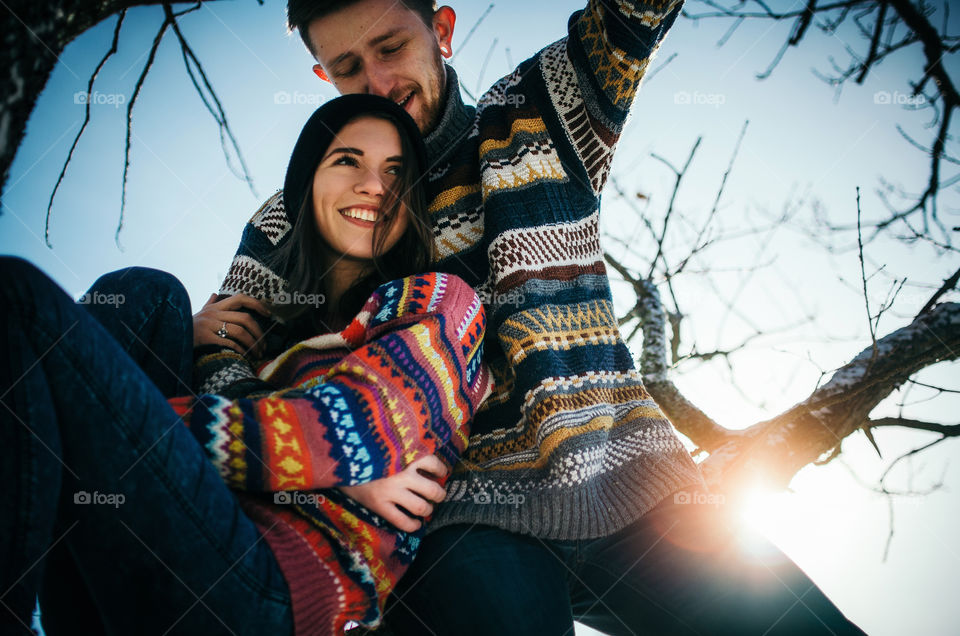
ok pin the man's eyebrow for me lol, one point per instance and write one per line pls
(375, 41)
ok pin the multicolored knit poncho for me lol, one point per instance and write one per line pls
(401, 381)
(570, 445)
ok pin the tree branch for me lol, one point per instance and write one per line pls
(86, 120)
(779, 447)
(947, 430)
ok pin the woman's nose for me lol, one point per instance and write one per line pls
(370, 183)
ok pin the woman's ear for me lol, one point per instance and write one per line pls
(444, 21)
(322, 74)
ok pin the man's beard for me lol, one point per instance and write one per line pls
(431, 113)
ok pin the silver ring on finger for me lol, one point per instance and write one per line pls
(222, 331)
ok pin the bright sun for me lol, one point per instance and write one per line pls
(762, 514)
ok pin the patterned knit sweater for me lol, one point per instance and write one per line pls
(570, 444)
(401, 381)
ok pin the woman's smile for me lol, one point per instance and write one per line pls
(361, 215)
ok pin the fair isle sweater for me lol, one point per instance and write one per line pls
(400, 382)
(570, 445)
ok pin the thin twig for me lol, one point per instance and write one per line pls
(133, 100)
(86, 120)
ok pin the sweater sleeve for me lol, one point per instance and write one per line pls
(593, 75)
(409, 391)
(249, 273)
(222, 371)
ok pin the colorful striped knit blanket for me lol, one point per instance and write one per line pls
(401, 381)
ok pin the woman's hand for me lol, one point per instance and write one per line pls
(243, 334)
(408, 488)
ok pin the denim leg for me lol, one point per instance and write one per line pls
(95, 458)
(680, 570)
(147, 311)
(479, 580)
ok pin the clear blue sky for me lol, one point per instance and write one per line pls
(185, 212)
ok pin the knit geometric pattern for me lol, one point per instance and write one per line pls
(569, 431)
(248, 273)
(401, 381)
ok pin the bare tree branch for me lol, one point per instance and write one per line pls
(947, 430)
(876, 22)
(948, 284)
(673, 197)
(688, 419)
(779, 447)
(133, 100)
(37, 37)
(219, 115)
(86, 120)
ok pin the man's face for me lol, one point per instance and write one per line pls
(384, 48)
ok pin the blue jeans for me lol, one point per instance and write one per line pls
(676, 571)
(109, 508)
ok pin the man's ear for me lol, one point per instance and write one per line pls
(444, 21)
(322, 74)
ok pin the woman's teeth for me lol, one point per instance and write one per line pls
(360, 213)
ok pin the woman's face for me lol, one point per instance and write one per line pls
(351, 182)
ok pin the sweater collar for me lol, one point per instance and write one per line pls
(457, 117)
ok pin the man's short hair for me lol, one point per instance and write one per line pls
(300, 13)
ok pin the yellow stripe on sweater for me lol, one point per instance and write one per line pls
(451, 196)
(442, 373)
(531, 125)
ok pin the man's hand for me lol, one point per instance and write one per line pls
(243, 334)
(413, 488)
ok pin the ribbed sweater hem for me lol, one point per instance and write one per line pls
(315, 593)
(600, 507)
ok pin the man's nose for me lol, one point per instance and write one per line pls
(380, 80)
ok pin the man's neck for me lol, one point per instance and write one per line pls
(455, 120)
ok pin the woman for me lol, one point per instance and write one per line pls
(257, 528)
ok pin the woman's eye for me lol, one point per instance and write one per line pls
(394, 170)
(345, 160)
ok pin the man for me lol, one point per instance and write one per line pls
(563, 506)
